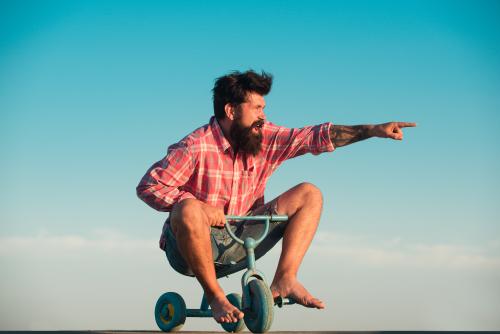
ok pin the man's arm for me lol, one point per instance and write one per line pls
(342, 135)
(281, 143)
(161, 186)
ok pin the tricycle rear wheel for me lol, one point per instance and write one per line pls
(234, 327)
(170, 312)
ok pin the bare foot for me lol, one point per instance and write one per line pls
(224, 311)
(291, 288)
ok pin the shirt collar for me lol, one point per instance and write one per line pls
(221, 140)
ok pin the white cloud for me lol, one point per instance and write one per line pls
(46, 244)
(115, 280)
(365, 250)
(397, 252)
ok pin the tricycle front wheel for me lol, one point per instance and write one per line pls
(259, 316)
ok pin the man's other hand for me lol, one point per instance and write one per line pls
(391, 130)
(215, 216)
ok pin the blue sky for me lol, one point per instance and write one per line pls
(93, 92)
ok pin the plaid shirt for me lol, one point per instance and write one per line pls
(203, 165)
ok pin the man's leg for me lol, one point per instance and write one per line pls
(192, 233)
(302, 204)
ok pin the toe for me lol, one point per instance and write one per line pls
(318, 303)
(238, 315)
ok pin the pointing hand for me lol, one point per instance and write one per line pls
(391, 130)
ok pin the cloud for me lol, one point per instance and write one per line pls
(392, 282)
(396, 252)
(100, 241)
(364, 250)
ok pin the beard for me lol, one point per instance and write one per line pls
(244, 138)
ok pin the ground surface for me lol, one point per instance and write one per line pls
(199, 332)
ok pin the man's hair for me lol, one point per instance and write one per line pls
(234, 87)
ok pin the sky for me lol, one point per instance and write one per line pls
(92, 93)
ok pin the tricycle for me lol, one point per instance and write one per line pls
(257, 302)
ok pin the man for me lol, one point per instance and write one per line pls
(222, 168)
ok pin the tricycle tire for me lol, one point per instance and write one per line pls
(234, 327)
(170, 312)
(260, 315)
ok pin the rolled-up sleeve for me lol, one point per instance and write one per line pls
(162, 185)
(286, 143)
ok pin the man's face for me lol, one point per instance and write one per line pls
(246, 128)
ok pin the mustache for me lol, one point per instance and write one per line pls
(258, 124)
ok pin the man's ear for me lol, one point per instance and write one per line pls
(229, 110)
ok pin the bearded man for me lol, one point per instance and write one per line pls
(222, 169)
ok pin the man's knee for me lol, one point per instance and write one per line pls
(310, 193)
(187, 217)
(304, 195)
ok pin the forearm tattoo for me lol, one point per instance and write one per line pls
(342, 135)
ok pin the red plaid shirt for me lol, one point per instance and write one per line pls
(203, 166)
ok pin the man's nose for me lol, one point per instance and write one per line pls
(261, 115)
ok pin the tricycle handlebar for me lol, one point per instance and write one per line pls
(266, 219)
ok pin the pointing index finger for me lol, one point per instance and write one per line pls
(406, 124)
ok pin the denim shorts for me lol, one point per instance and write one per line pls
(228, 255)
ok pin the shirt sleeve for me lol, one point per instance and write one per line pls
(162, 185)
(285, 143)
